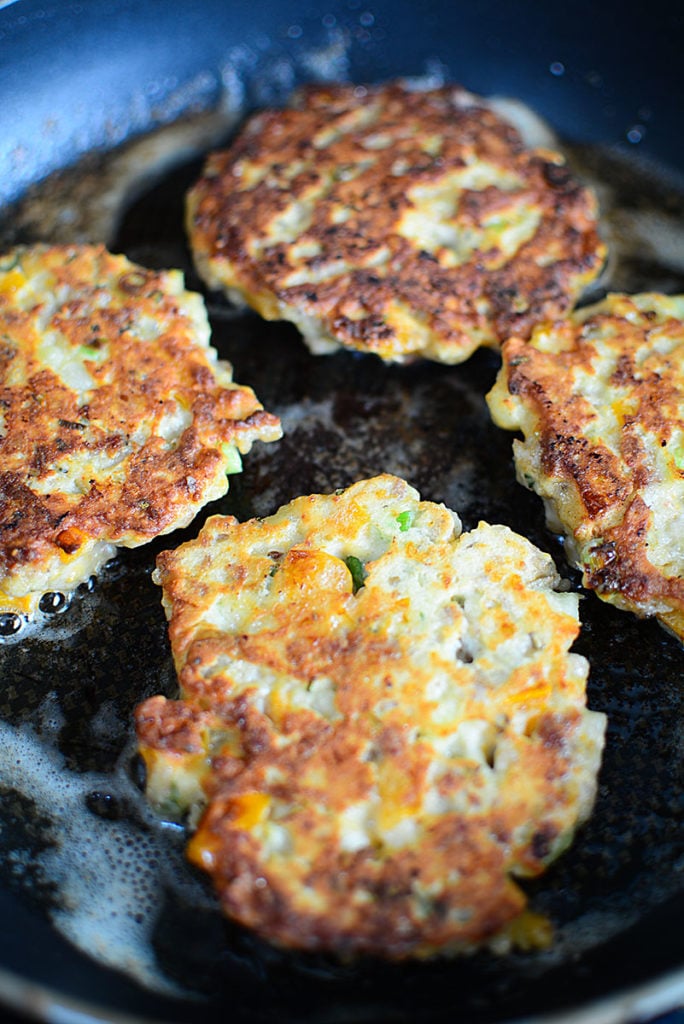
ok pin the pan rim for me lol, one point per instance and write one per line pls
(660, 995)
(657, 995)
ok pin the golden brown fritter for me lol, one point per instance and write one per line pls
(379, 715)
(117, 423)
(402, 222)
(600, 400)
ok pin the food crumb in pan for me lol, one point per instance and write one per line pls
(380, 722)
(117, 421)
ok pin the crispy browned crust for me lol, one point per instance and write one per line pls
(630, 350)
(365, 900)
(241, 741)
(427, 136)
(156, 485)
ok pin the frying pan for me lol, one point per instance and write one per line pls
(106, 108)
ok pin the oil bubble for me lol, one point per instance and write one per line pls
(53, 603)
(10, 623)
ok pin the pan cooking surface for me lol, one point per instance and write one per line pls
(85, 862)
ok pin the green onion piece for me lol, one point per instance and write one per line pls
(597, 555)
(678, 456)
(405, 520)
(358, 573)
(172, 806)
(232, 457)
(496, 223)
(92, 352)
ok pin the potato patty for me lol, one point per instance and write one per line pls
(402, 222)
(117, 422)
(379, 721)
(599, 398)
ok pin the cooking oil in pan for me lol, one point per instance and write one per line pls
(70, 688)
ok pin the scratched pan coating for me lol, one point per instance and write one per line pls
(68, 694)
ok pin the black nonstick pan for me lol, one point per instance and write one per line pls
(106, 110)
